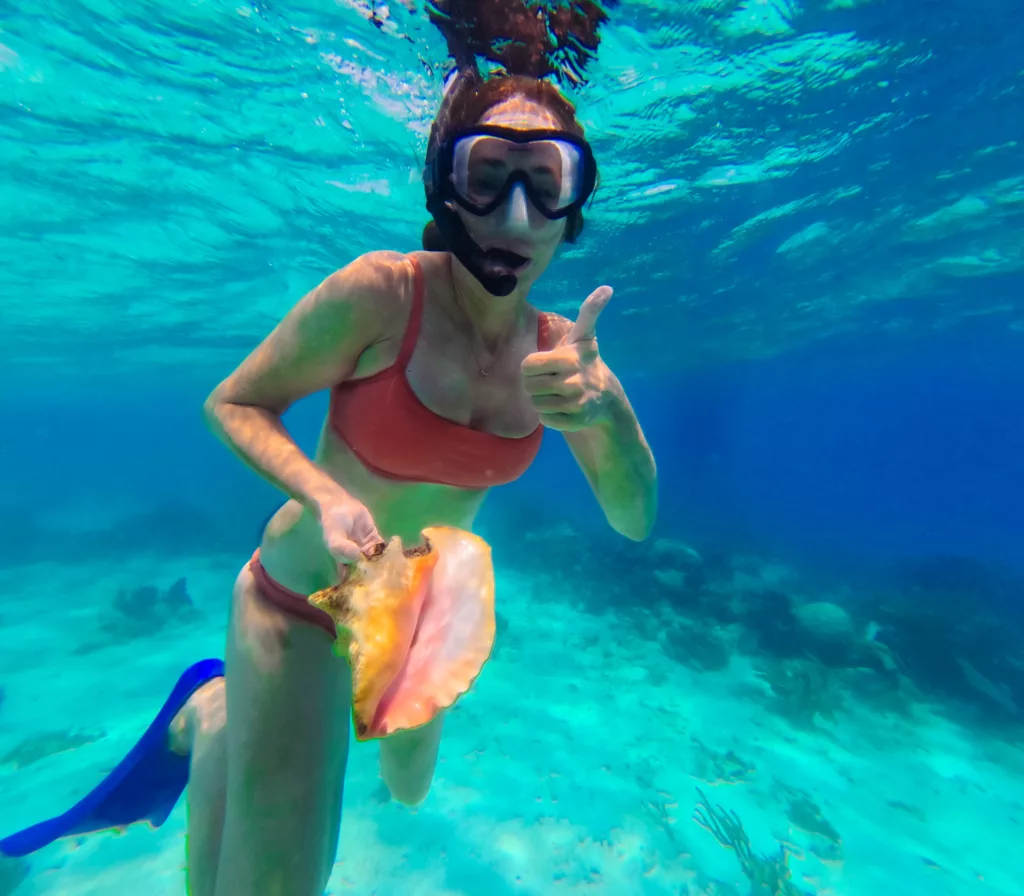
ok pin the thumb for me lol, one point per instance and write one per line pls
(343, 550)
(585, 327)
(365, 533)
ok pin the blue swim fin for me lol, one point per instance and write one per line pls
(144, 786)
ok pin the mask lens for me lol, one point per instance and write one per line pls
(482, 165)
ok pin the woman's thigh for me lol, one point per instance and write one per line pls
(288, 712)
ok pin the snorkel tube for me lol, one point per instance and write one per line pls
(492, 268)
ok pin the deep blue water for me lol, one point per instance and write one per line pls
(847, 453)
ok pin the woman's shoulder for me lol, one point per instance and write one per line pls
(379, 276)
(377, 287)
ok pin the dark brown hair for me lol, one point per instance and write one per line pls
(539, 38)
(486, 96)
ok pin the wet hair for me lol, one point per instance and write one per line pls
(528, 43)
(524, 37)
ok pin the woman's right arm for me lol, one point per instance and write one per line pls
(316, 345)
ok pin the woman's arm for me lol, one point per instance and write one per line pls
(617, 461)
(317, 344)
(575, 392)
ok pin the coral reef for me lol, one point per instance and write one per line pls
(947, 629)
(702, 647)
(806, 816)
(147, 610)
(142, 612)
(803, 691)
(955, 629)
(718, 766)
(769, 875)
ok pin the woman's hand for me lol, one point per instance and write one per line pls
(349, 531)
(569, 385)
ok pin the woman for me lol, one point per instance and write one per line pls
(443, 378)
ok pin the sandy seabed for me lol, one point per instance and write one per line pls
(573, 766)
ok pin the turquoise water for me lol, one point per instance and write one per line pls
(812, 214)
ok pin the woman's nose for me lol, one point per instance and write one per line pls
(517, 212)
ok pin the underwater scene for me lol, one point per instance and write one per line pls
(756, 629)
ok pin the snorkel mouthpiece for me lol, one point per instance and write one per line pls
(501, 263)
(492, 268)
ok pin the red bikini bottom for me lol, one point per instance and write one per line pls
(289, 602)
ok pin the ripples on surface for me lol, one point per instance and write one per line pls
(177, 175)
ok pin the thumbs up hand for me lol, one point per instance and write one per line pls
(569, 384)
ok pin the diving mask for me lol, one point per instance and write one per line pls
(478, 167)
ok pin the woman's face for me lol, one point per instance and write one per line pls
(516, 225)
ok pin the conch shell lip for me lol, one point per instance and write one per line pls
(416, 626)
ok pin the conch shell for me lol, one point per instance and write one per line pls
(416, 627)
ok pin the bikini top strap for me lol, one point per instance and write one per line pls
(412, 329)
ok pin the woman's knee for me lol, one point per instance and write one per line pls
(410, 793)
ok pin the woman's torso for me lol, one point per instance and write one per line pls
(443, 376)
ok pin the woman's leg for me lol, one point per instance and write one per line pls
(408, 759)
(265, 791)
(200, 731)
(287, 745)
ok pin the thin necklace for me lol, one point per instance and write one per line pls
(482, 369)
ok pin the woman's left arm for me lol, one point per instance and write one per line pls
(575, 392)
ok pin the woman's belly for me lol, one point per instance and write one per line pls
(292, 549)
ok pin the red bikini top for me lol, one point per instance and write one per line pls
(396, 436)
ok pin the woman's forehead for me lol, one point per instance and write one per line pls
(520, 112)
